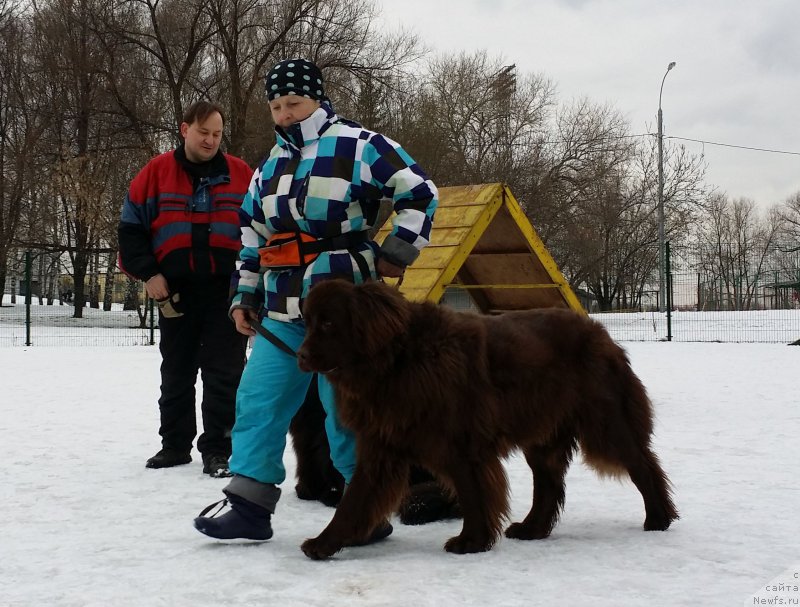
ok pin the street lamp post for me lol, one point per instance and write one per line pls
(505, 84)
(662, 292)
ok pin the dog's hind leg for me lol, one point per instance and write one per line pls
(549, 464)
(317, 479)
(620, 443)
(482, 490)
(652, 482)
(427, 500)
(614, 456)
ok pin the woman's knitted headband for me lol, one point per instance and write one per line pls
(295, 77)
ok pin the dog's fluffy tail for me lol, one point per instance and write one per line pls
(617, 438)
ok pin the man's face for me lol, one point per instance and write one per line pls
(202, 138)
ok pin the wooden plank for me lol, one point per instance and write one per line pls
(470, 194)
(462, 217)
(434, 258)
(420, 278)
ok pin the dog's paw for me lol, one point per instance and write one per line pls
(519, 531)
(656, 523)
(318, 549)
(466, 545)
(426, 503)
(329, 496)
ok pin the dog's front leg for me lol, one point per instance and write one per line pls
(376, 488)
(482, 491)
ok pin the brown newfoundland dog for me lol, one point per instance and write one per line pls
(456, 392)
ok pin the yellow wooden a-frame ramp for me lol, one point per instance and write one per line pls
(482, 241)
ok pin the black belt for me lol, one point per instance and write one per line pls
(347, 240)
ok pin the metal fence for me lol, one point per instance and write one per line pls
(53, 323)
(40, 306)
(40, 309)
(704, 305)
(765, 326)
(35, 322)
(722, 295)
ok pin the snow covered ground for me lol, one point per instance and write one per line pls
(84, 523)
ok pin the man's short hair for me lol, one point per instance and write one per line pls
(199, 111)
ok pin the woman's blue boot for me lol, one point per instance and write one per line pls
(244, 520)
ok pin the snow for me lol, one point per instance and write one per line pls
(85, 524)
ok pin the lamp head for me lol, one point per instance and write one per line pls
(671, 65)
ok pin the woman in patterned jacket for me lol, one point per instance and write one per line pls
(305, 219)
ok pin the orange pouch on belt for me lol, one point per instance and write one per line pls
(287, 250)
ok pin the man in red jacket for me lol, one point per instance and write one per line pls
(180, 234)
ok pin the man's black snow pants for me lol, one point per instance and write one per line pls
(203, 338)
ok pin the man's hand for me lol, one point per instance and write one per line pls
(389, 270)
(244, 318)
(157, 287)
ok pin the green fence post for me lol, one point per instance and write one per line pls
(152, 323)
(669, 293)
(28, 264)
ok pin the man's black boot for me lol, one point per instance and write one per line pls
(167, 458)
(216, 465)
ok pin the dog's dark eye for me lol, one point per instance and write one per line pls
(326, 325)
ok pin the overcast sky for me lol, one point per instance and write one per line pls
(737, 79)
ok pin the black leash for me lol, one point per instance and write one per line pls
(272, 338)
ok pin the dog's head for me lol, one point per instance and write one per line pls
(349, 324)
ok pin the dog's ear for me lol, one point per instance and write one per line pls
(380, 314)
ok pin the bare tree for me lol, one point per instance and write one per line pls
(251, 35)
(21, 127)
(83, 138)
(174, 35)
(734, 245)
(595, 205)
(579, 198)
(132, 78)
(470, 119)
(789, 215)
(247, 37)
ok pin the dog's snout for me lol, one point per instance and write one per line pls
(302, 358)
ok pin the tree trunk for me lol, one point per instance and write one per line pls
(94, 282)
(80, 264)
(142, 312)
(131, 301)
(53, 281)
(111, 275)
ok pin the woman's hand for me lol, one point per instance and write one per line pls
(388, 269)
(244, 317)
